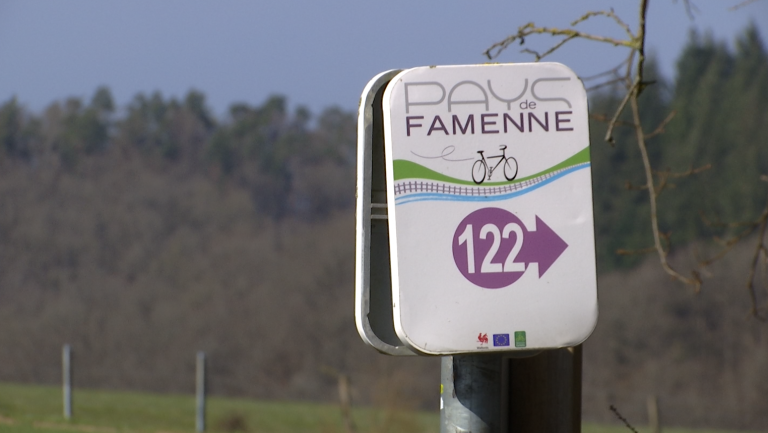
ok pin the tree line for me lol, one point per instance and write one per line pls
(288, 167)
(719, 99)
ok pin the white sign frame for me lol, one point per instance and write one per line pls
(373, 296)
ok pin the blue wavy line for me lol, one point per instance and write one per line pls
(430, 196)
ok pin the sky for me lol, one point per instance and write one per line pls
(316, 53)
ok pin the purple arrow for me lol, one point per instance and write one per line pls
(542, 246)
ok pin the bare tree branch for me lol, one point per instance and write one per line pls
(605, 118)
(604, 84)
(531, 29)
(760, 248)
(640, 48)
(741, 5)
(613, 72)
(665, 175)
(549, 51)
(660, 129)
(633, 79)
(690, 9)
(625, 252)
(694, 280)
(609, 134)
(609, 14)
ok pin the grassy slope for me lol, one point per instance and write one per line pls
(27, 409)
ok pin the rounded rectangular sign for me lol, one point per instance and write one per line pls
(489, 201)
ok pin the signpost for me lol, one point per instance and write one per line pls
(474, 212)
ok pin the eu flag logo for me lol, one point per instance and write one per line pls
(501, 339)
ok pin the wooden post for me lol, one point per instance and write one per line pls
(200, 393)
(653, 414)
(345, 399)
(66, 370)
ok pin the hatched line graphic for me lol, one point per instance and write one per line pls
(408, 191)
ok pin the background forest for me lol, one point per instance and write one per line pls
(142, 234)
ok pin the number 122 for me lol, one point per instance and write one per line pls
(467, 237)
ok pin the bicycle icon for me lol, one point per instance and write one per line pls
(480, 168)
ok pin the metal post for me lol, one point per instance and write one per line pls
(200, 393)
(470, 394)
(66, 369)
(507, 393)
(544, 392)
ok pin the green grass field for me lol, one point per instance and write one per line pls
(38, 409)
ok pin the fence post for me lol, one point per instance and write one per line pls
(200, 393)
(654, 422)
(66, 370)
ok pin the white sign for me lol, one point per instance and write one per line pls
(489, 202)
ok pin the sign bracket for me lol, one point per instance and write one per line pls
(373, 281)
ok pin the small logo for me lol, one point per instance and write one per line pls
(482, 338)
(501, 339)
(519, 338)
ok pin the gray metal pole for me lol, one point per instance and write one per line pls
(471, 394)
(66, 370)
(518, 393)
(200, 393)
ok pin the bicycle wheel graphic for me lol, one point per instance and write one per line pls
(510, 168)
(478, 172)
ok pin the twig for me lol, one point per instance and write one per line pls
(665, 175)
(690, 8)
(732, 241)
(604, 118)
(695, 279)
(741, 5)
(629, 186)
(609, 134)
(609, 14)
(624, 252)
(613, 71)
(660, 129)
(760, 247)
(729, 244)
(531, 29)
(628, 71)
(604, 84)
(691, 171)
(640, 42)
(549, 51)
(618, 415)
(721, 224)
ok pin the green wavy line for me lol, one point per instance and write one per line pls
(404, 169)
